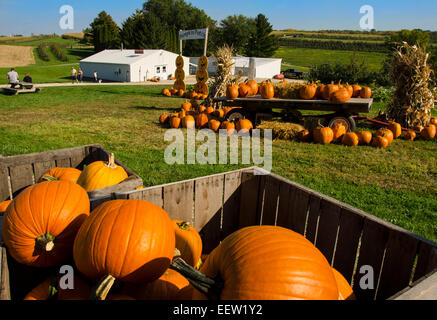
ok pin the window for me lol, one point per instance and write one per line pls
(164, 69)
(158, 69)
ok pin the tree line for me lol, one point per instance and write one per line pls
(156, 26)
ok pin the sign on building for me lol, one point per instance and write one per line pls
(193, 34)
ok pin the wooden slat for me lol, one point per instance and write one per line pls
(249, 199)
(270, 201)
(398, 264)
(63, 163)
(4, 183)
(97, 202)
(427, 260)
(231, 203)
(349, 234)
(21, 177)
(208, 204)
(78, 157)
(327, 229)
(153, 195)
(373, 243)
(178, 201)
(42, 167)
(313, 216)
(129, 184)
(5, 292)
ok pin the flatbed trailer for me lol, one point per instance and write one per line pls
(256, 107)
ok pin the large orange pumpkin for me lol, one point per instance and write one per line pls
(429, 132)
(100, 174)
(232, 91)
(41, 223)
(395, 128)
(308, 92)
(4, 205)
(131, 240)
(270, 263)
(386, 133)
(244, 126)
(188, 242)
(267, 90)
(202, 120)
(189, 122)
(68, 174)
(365, 137)
(340, 96)
(253, 85)
(329, 90)
(46, 290)
(339, 130)
(164, 119)
(323, 135)
(350, 139)
(244, 90)
(365, 93)
(345, 291)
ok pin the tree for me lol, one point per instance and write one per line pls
(261, 42)
(105, 32)
(412, 37)
(236, 31)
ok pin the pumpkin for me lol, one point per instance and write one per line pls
(340, 96)
(408, 135)
(100, 174)
(433, 121)
(304, 136)
(166, 92)
(210, 110)
(180, 74)
(227, 109)
(47, 290)
(253, 85)
(175, 122)
(214, 125)
(128, 240)
(339, 130)
(68, 174)
(189, 122)
(308, 92)
(380, 142)
(345, 291)
(269, 263)
(357, 90)
(395, 128)
(219, 113)
(320, 91)
(429, 132)
(186, 106)
(365, 137)
(244, 90)
(181, 92)
(182, 114)
(267, 90)
(232, 91)
(329, 90)
(202, 120)
(179, 62)
(40, 224)
(350, 90)
(188, 242)
(244, 125)
(386, 133)
(350, 139)
(173, 91)
(4, 205)
(164, 119)
(170, 286)
(365, 93)
(201, 88)
(202, 108)
(323, 135)
(228, 126)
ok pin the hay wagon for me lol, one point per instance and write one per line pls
(256, 108)
(403, 263)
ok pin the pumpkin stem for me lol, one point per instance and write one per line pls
(111, 161)
(52, 294)
(184, 225)
(102, 289)
(49, 178)
(210, 287)
(45, 242)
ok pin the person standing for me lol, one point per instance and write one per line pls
(80, 75)
(13, 78)
(74, 75)
(96, 77)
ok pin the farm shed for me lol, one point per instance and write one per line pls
(131, 65)
(264, 67)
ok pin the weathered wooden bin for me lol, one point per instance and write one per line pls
(19, 172)
(217, 205)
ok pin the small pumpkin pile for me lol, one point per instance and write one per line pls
(154, 80)
(336, 93)
(243, 90)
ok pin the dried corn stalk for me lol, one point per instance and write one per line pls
(413, 99)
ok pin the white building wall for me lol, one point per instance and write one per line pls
(111, 72)
(268, 70)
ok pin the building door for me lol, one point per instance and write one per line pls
(161, 72)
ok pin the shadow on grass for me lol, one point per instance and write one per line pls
(153, 108)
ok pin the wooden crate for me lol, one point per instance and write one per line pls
(19, 172)
(220, 204)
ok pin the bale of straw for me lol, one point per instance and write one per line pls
(413, 99)
(289, 90)
(282, 130)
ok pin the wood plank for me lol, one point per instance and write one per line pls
(283, 218)
(373, 243)
(313, 217)
(153, 195)
(42, 167)
(348, 239)
(426, 261)
(129, 184)
(249, 199)
(5, 193)
(327, 230)
(98, 201)
(21, 177)
(78, 157)
(208, 203)
(398, 264)
(424, 289)
(5, 292)
(179, 201)
(270, 203)
(63, 163)
(231, 203)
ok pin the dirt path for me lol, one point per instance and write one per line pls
(16, 56)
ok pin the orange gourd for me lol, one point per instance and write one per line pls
(380, 142)
(100, 174)
(186, 106)
(320, 91)
(175, 122)
(308, 92)
(166, 92)
(365, 93)
(244, 126)
(329, 90)
(345, 291)
(350, 139)
(214, 125)
(202, 120)
(323, 135)
(267, 90)
(429, 132)
(253, 85)
(304, 136)
(386, 133)
(357, 90)
(433, 121)
(189, 122)
(40, 224)
(365, 137)
(164, 119)
(232, 91)
(339, 130)
(209, 110)
(244, 90)
(4, 205)
(395, 128)
(67, 174)
(340, 96)
(219, 113)
(228, 126)
(188, 242)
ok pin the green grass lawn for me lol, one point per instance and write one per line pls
(398, 184)
(303, 58)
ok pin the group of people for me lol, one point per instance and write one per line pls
(14, 79)
(77, 76)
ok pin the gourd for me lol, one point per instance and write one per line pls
(429, 132)
(188, 242)
(308, 92)
(408, 135)
(267, 90)
(365, 93)
(339, 130)
(386, 133)
(350, 139)
(164, 119)
(232, 91)
(365, 137)
(202, 120)
(395, 128)
(228, 126)
(380, 142)
(324, 135)
(4, 205)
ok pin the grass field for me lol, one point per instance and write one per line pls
(305, 58)
(398, 184)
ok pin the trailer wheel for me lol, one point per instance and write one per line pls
(236, 114)
(347, 121)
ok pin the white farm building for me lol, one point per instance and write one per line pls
(125, 65)
(263, 67)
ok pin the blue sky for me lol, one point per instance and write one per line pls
(25, 16)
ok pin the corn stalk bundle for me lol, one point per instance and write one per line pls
(413, 100)
(223, 77)
(282, 130)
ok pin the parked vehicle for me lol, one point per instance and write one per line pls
(294, 74)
